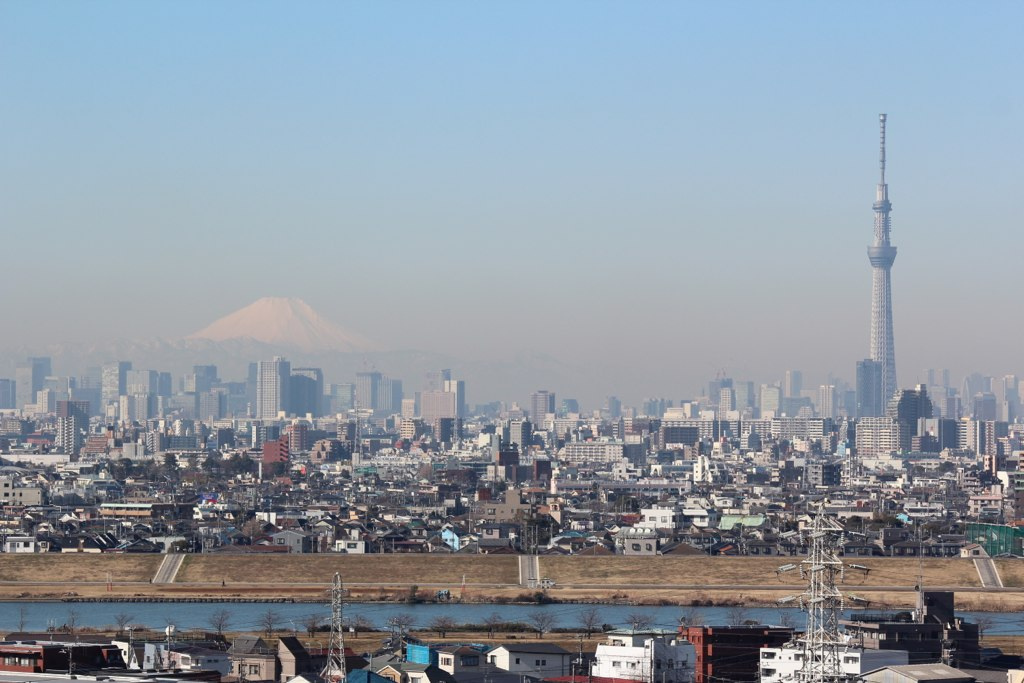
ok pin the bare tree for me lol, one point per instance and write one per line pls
(219, 620)
(442, 624)
(72, 620)
(640, 621)
(22, 617)
(590, 620)
(401, 622)
(692, 617)
(737, 615)
(312, 624)
(359, 624)
(984, 623)
(541, 622)
(122, 619)
(492, 621)
(269, 621)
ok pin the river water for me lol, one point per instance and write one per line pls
(248, 616)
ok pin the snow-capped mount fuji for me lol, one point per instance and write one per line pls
(283, 322)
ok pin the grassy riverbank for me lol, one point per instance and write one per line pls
(687, 580)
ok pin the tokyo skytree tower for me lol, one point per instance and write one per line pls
(882, 254)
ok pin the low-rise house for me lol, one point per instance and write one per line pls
(538, 660)
(296, 541)
(253, 660)
(637, 541)
(25, 544)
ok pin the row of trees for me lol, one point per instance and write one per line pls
(540, 622)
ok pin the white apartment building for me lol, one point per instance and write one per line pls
(877, 436)
(644, 657)
(660, 517)
(779, 664)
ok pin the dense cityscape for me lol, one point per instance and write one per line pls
(520, 342)
(127, 460)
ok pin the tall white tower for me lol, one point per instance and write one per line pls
(882, 255)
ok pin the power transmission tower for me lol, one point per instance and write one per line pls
(822, 602)
(334, 669)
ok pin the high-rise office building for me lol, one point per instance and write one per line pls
(72, 424)
(341, 397)
(518, 432)
(909, 407)
(142, 382)
(203, 378)
(8, 393)
(882, 254)
(272, 377)
(613, 407)
(213, 404)
(437, 379)
(368, 390)
(984, 406)
(726, 402)
(29, 377)
(114, 381)
(457, 387)
(306, 392)
(792, 384)
(770, 400)
(869, 389)
(541, 403)
(744, 392)
(437, 404)
(827, 400)
(389, 398)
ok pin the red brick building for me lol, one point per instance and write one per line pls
(731, 653)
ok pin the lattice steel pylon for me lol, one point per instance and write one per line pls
(334, 669)
(822, 602)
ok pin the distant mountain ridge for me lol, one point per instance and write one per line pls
(286, 323)
(275, 326)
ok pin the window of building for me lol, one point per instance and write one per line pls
(517, 660)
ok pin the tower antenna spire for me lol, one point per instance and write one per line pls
(881, 152)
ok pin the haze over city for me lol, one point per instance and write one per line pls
(661, 192)
(485, 342)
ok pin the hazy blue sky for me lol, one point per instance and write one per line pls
(664, 187)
